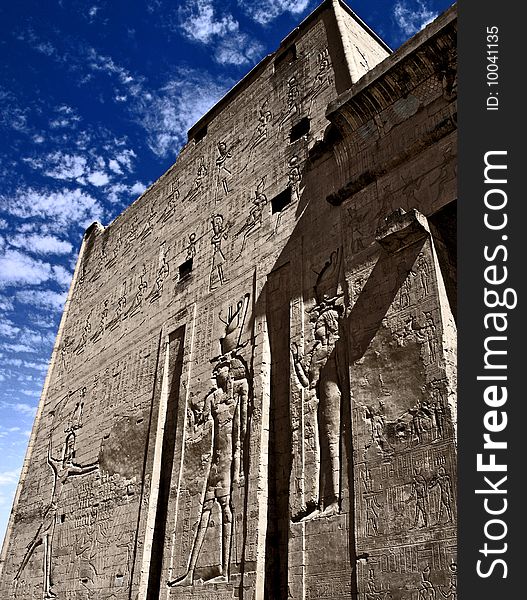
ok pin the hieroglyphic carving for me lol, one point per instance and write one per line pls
(261, 132)
(119, 310)
(137, 302)
(322, 78)
(420, 495)
(226, 406)
(149, 223)
(318, 373)
(163, 272)
(444, 483)
(201, 173)
(293, 93)
(84, 335)
(294, 177)
(254, 220)
(423, 270)
(219, 233)
(101, 328)
(62, 469)
(172, 202)
(224, 173)
(66, 349)
(191, 246)
(131, 235)
(115, 250)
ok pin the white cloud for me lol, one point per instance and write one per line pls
(412, 15)
(42, 298)
(99, 62)
(200, 23)
(18, 348)
(9, 477)
(98, 178)
(20, 407)
(125, 157)
(17, 268)
(238, 49)
(115, 167)
(66, 166)
(8, 329)
(42, 366)
(265, 11)
(59, 209)
(6, 303)
(138, 188)
(62, 275)
(176, 107)
(41, 244)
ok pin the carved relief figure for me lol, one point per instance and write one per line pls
(423, 268)
(261, 132)
(219, 233)
(102, 323)
(171, 206)
(254, 220)
(451, 593)
(292, 97)
(201, 173)
(293, 182)
(226, 405)
(221, 162)
(322, 77)
(119, 310)
(115, 251)
(149, 223)
(427, 336)
(137, 302)
(372, 515)
(442, 480)
(426, 590)
(420, 495)
(162, 274)
(65, 351)
(62, 468)
(191, 247)
(318, 373)
(84, 336)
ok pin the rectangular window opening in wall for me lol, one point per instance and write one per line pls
(185, 269)
(278, 203)
(285, 58)
(301, 128)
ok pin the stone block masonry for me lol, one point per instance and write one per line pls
(252, 393)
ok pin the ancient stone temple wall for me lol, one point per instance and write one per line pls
(252, 392)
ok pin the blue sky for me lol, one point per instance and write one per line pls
(96, 98)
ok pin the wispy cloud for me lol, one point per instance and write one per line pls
(45, 299)
(412, 15)
(9, 477)
(265, 11)
(171, 112)
(41, 244)
(59, 208)
(200, 22)
(17, 268)
(19, 407)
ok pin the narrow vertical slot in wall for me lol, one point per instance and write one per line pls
(159, 542)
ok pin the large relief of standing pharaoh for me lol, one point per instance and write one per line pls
(224, 411)
(318, 373)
